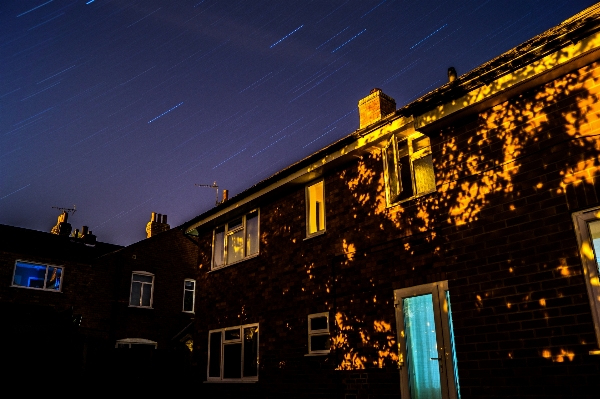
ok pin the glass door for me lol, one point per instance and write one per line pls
(426, 343)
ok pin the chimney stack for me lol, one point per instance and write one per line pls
(157, 224)
(375, 107)
(62, 228)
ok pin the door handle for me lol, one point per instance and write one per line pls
(436, 358)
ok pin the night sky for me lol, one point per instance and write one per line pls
(121, 107)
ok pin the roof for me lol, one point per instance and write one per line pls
(33, 243)
(580, 26)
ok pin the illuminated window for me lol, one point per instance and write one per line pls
(189, 288)
(315, 208)
(37, 276)
(318, 333)
(233, 353)
(142, 287)
(408, 168)
(236, 240)
(587, 228)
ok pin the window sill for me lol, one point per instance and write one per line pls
(141, 307)
(595, 352)
(187, 311)
(234, 263)
(230, 381)
(318, 233)
(409, 199)
(35, 289)
(317, 354)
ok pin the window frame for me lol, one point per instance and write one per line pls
(306, 202)
(589, 260)
(394, 141)
(193, 295)
(322, 332)
(141, 292)
(227, 233)
(47, 265)
(221, 354)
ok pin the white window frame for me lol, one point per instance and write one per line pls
(313, 333)
(443, 332)
(589, 262)
(193, 295)
(394, 141)
(47, 265)
(228, 233)
(223, 343)
(127, 342)
(141, 291)
(306, 201)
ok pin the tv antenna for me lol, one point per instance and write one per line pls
(214, 185)
(67, 210)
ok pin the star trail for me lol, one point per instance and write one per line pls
(121, 106)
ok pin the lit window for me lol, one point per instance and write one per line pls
(37, 276)
(408, 168)
(315, 208)
(587, 228)
(189, 287)
(236, 240)
(141, 289)
(318, 333)
(233, 353)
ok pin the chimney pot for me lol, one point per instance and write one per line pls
(84, 230)
(153, 217)
(375, 107)
(225, 195)
(164, 219)
(452, 75)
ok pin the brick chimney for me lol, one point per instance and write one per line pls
(157, 224)
(375, 107)
(62, 228)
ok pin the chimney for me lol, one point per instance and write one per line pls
(62, 228)
(375, 107)
(225, 195)
(451, 74)
(157, 224)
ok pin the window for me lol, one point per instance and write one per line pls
(408, 168)
(233, 353)
(315, 208)
(426, 358)
(37, 276)
(587, 228)
(142, 287)
(318, 333)
(236, 240)
(189, 287)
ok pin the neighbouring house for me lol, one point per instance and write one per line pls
(444, 249)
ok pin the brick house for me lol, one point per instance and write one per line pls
(443, 249)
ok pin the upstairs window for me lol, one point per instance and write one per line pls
(318, 333)
(233, 353)
(37, 276)
(189, 288)
(315, 208)
(408, 168)
(142, 288)
(236, 240)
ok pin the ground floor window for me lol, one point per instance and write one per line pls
(233, 353)
(427, 359)
(318, 333)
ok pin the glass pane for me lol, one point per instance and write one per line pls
(234, 224)
(421, 348)
(146, 294)
(232, 334)
(218, 247)
(188, 301)
(595, 235)
(391, 172)
(451, 328)
(232, 360)
(214, 363)
(136, 293)
(142, 278)
(406, 188)
(29, 275)
(235, 246)
(319, 323)
(189, 285)
(250, 351)
(53, 278)
(420, 143)
(316, 210)
(252, 233)
(424, 177)
(319, 342)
